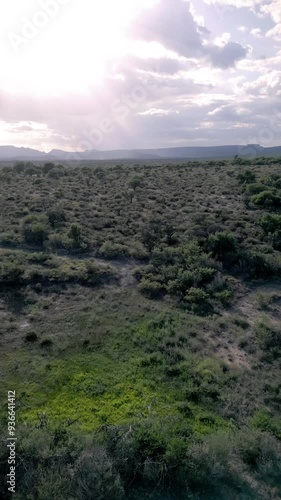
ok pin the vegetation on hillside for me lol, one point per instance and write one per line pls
(140, 327)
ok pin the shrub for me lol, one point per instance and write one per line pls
(151, 289)
(246, 177)
(257, 448)
(11, 275)
(137, 251)
(35, 232)
(94, 476)
(75, 233)
(56, 218)
(224, 297)
(46, 343)
(92, 274)
(136, 182)
(267, 199)
(271, 223)
(207, 467)
(263, 301)
(276, 240)
(113, 251)
(39, 258)
(269, 339)
(47, 167)
(151, 236)
(19, 167)
(256, 266)
(264, 420)
(9, 239)
(180, 285)
(221, 244)
(56, 242)
(76, 241)
(255, 188)
(196, 296)
(31, 337)
(241, 322)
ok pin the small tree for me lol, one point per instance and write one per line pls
(151, 235)
(271, 223)
(11, 275)
(35, 233)
(48, 167)
(56, 217)
(267, 199)
(246, 177)
(222, 244)
(77, 241)
(136, 182)
(19, 167)
(75, 233)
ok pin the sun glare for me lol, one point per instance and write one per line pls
(71, 51)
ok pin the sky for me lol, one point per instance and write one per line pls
(132, 74)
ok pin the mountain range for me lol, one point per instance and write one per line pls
(12, 153)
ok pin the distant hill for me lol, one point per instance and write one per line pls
(12, 153)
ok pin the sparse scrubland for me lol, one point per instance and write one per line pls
(140, 313)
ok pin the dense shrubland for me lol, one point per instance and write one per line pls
(140, 326)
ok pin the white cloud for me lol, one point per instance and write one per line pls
(235, 3)
(170, 23)
(275, 33)
(273, 9)
(256, 32)
(222, 39)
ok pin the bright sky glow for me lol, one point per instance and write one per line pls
(155, 69)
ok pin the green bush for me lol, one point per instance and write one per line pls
(19, 167)
(136, 182)
(246, 177)
(276, 240)
(222, 244)
(35, 232)
(175, 270)
(267, 199)
(255, 188)
(56, 218)
(151, 235)
(269, 339)
(47, 167)
(11, 275)
(257, 266)
(271, 223)
(94, 476)
(151, 289)
(264, 420)
(76, 240)
(57, 242)
(40, 258)
(31, 337)
(196, 296)
(9, 239)
(224, 297)
(92, 274)
(110, 250)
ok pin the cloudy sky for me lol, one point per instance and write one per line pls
(139, 73)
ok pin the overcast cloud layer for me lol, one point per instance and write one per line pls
(140, 74)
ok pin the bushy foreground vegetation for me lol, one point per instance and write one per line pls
(140, 315)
